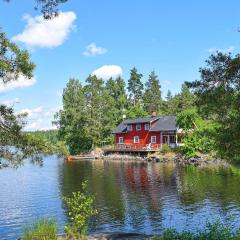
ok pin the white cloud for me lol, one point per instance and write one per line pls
(40, 32)
(93, 50)
(22, 82)
(223, 50)
(10, 102)
(107, 71)
(39, 118)
(31, 112)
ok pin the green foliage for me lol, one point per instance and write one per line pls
(215, 231)
(80, 209)
(135, 87)
(165, 149)
(190, 145)
(13, 61)
(136, 111)
(49, 8)
(152, 97)
(44, 229)
(179, 102)
(187, 119)
(47, 142)
(218, 94)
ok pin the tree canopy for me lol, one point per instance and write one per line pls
(49, 8)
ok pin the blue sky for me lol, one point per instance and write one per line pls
(174, 38)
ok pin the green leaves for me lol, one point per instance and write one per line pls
(13, 61)
(218, 94)
(80, 209)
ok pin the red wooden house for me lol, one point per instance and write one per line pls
(147, 133)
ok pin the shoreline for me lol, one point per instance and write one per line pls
(196, 161)
(199, 161)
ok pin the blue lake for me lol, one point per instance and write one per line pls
(130, 197)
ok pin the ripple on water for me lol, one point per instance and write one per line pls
(130, 197)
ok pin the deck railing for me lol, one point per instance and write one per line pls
(137, 146)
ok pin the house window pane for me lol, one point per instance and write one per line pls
(120, 140)
(138, 127)
(136, 139)
(146, 126)
(129, 127)
(172, 139)
(153, 139)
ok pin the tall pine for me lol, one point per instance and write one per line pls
(152, 96)
(135, 87)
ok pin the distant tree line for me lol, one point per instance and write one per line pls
(92, 110)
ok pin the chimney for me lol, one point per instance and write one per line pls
(154, 114)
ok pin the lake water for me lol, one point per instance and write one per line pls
(130, 197)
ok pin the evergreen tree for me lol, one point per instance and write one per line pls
(169, 96)
(135, 87)
(152, 96)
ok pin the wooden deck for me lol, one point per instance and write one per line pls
(131, 149)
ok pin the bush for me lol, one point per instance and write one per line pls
(44, 229)
(165, 149)
(190, 146)
(215, 231)
(80, 209)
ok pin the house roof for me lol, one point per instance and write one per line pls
(141, 120)
(121, 128)
(164, 123)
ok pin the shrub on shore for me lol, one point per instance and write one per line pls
(215, 231)
(44, 229)
(80, 209)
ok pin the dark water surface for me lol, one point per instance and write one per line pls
(130, 197)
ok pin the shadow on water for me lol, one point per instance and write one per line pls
(130, 197)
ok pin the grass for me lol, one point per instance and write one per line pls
(216, 231)
(44, 229)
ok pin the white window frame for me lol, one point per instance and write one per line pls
(129, 127)
(138, 127)
(146, 126)
(154, 137)
(134, 139)
(120, 142)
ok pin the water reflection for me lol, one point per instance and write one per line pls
(146, 197)
(130, 197)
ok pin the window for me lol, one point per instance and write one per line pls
(136, 139)
(172, 139)
(146, 126)
(129, 127)
(120, 140)
(138, 127)
(153, 139)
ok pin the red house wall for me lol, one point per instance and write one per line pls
(144, 136)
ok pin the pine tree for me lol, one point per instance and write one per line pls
(135, 87)
(152, 96)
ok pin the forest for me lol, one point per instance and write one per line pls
(92, 109)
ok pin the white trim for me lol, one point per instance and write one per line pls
(146, 128)
(129, 127)
(120, 142)
(138, 127)
(153, 137)
(135, 140)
